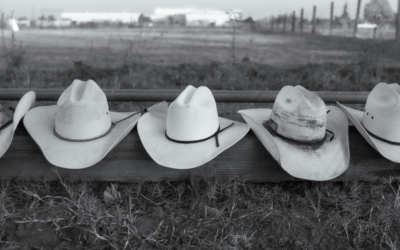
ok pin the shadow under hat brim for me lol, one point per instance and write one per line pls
(319, 162)
(151, 129)
(389, 151)
(40, 124)
(7, 133)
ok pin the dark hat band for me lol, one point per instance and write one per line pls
(219, 130)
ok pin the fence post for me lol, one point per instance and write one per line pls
(284, 22)
(272, 23)
(356, 21)
(301, 20)
(313, 20)
(294, 21)
(331, 20)
(398, 23)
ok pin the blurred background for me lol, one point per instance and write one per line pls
(323, 45)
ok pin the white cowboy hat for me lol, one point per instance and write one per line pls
(308, 139)
(9, 122)
(80, 130)
(189, 133)
(379, 123)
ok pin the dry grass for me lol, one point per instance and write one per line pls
(202, 213)
(57, 49)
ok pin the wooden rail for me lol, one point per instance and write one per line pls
(129, 161)
(140, 95)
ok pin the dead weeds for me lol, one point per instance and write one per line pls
(202, 213)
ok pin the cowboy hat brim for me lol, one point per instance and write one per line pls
(389, 151)
(7, 134)
(319, 162)
(40, 124)
(151, 129)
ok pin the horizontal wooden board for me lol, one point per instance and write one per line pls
(158, 95)
(129, 161)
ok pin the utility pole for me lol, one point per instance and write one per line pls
(331, 20)
(294, 21)
(301, 20)
(356, 21)
(313, 20)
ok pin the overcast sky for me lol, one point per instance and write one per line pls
(255, 8)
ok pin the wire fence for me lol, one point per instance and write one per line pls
(331, 19)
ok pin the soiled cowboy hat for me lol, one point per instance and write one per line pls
(189, 133)
(80, 130)
(308, 139)
(379, 123)
(10, 118)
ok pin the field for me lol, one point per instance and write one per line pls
(201, 213)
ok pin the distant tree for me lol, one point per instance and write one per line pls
(51, 19)
(42, 18)
(345, 14)
(143, 19)
(378, 12)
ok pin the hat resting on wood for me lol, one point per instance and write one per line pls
(379, 123)
(308, 139)
(189, 132)
(80, 130)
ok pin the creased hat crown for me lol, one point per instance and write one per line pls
(382, 112)
(299, 114)
(193, 115)
(82, 111)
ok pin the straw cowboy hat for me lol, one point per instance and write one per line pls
(308, 139)
(379, 123)
(80, 130)
(189, 133)
(9, 121)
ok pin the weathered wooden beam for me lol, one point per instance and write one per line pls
(156, 95)
(356, 20)
(129, 161)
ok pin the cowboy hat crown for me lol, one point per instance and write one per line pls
(193, 115)
(381, 116)
(299, 115)
(82, 112)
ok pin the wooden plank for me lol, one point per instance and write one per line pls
(284, 22)
(157, 95)
(313, 19)
(301, 20)
(398, 22)
(294, 21)
(130, 162)
(357, 15)
(331, 19)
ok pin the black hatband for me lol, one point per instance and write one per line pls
(380, 138)
(219, 130)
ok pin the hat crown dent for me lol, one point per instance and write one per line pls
(82, 111)
(382, 112)
(193, 115)
(299, 115)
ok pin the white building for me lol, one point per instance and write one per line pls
(84, 17)
(195, 16)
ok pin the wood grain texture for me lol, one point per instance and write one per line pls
(158, 95)
(130, 162)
